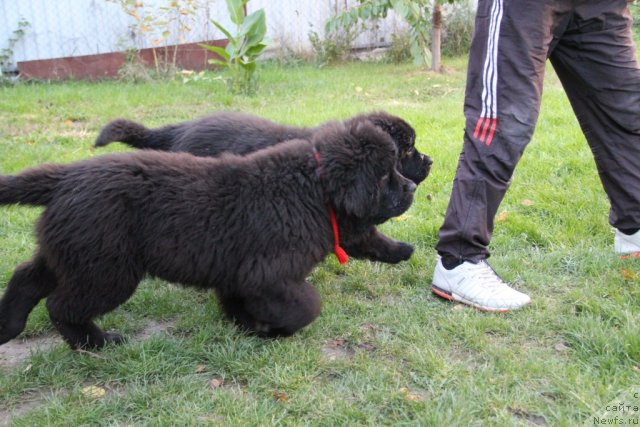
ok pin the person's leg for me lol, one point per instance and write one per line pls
(504, 84)
(597, 65)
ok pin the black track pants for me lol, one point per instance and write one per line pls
(591, 49)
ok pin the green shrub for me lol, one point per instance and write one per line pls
(239, 56)
(333, 48)
(458, 29)
(399, 49)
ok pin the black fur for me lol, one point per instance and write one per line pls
(241, 133)
(249, 227)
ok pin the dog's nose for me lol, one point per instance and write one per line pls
(427, 160)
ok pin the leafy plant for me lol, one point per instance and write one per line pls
(333, 47)
(151, 27)
(133, 70)
(239, 55)
(458, 29)
(416, 13)
(399, 49)
(7, 53)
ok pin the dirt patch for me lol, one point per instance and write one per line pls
(27, 405)
(17, 351)
(336, 350)
(155, 327)
(13, 353)
(520, 414)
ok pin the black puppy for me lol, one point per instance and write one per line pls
(240, 133)
(249, 227)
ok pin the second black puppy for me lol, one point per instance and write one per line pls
(240, 133)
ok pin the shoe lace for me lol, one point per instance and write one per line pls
(489, 277)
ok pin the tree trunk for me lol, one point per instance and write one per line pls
(436, 35)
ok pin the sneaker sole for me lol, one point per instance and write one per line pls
(452, 297)
(630, 255)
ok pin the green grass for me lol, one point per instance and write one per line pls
(385, 350)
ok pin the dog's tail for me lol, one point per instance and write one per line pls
(135, 135)
(31, 187)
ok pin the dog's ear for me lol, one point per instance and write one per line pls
(354, 158)
(400, 131)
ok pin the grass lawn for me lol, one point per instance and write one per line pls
(385, 350)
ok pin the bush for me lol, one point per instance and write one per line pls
(458, 29)
(334, 47)
(399, 49)
(133, 70)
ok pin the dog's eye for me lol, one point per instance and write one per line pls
(407, 153)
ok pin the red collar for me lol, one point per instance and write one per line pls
(337, 249)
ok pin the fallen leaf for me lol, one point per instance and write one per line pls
(358, 89)
(93, 392)
(280, 397)
(68, 122)
(216, 383)
(412, 397)
(401, 218)
(628, 274)
(340, 342)
(458, 307)
(200, 369)
(417, 92)
(561, 347)
(503, 216)
(632, 255)
(527, 202)
(409, 395)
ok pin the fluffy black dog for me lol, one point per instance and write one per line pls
(240, 133)
(249, 227)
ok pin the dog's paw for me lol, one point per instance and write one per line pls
(402, 252)
(9, 329)
(114, 338)
(97, 341)
(405, 250)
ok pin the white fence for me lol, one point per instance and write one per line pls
(64, 28)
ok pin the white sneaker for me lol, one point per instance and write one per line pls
(624, 244)
(477, 285)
